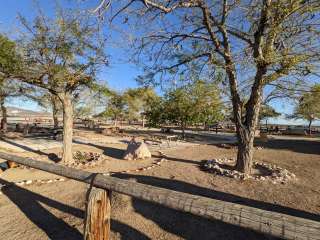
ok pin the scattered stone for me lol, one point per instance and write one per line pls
(28, 182)
(268, 171)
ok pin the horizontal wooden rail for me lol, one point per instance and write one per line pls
(272, 223)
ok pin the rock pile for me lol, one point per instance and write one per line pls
(85, 159)
(269, 172)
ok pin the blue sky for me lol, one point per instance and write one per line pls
(118, 75)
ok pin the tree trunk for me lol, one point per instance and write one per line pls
(67, 127)
(245, 150)
(4, 120)
(143, 121)
(55, 111)
(246, 125)
(267, 125)
(309, 127)
(183, 128)
(115, 122)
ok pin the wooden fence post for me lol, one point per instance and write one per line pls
(97, 219)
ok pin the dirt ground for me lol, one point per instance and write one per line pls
(55, 211)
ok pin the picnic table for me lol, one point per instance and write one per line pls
(159, 137)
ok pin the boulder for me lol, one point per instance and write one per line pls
(136, 150)
(106, 131)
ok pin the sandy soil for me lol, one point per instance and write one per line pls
(55, 211)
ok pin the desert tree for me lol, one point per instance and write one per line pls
(308, 106)
(256, 43)
(116, 108)
(91, 100)
(267, 112)
(137, 101)
(9, 64)
(62, 55)
(186, 106)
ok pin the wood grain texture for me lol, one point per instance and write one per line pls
(97, 218)
(271, 223)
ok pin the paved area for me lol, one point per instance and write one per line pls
(28, 144)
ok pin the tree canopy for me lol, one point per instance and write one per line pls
(308, 106)
(188, 105)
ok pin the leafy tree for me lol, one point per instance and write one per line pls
(116, 108)
(91, 101)
(137, 101)
(267, 112)
(255, 44)
(187, 105)
(62, 55)
(308, 107)
(9, 58)
(10, 63)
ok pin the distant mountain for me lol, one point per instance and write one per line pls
(19, 112)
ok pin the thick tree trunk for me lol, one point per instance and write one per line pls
(67, 127)
(4, 120)
(246, 123)
(245, 150)
(55, 111)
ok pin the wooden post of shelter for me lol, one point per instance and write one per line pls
(97, 218)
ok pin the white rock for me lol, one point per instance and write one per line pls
(28, 182)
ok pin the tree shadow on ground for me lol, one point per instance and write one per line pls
(295, 145)
(108, 151)
(178, 159)
(24, 147)
(55, 228)
(180, 223)
(51, 156)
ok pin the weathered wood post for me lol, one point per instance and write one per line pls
(97, 219)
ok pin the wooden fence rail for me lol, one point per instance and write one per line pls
(271, 223)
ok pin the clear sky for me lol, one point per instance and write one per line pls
(118, 75)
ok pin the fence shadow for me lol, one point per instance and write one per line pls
(192, 227)
(55, 228)
(29, 203)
